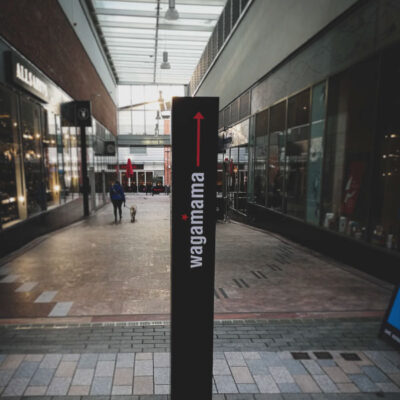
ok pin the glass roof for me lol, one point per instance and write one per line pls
(136, 33)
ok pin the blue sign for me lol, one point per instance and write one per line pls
(391, 324)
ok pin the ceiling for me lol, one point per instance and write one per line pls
(136, 33)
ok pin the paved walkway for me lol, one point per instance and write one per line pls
(96, 270)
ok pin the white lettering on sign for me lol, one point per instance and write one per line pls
(26, 76)
(197, 240)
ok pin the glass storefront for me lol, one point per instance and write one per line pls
(329, 155)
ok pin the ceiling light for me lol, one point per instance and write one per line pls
(172, 13)
(165, 64)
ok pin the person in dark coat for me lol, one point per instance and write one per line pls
(117, 196)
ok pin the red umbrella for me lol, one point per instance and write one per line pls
(129, 168)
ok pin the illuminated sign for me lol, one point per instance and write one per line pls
(194, 177)
(28, 78)
(390, 329)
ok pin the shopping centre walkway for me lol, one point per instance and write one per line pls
(84, 312)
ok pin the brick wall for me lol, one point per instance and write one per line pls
(40, 30)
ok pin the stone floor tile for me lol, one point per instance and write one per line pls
(105, 368)
(83, 377)
(307, 384)
(162, 360)
(143, 367)
(144, 356)
(71, 357)
(61, 309)
(42, 377)
(242, 375)
(161, 376)
(364, 383)
(123, 377)
(12, 361)
(66, 369)
(294, 367)
(218, 355)
(34, 357)
(59, 386)
(46, 297)
(285, 355)
(125, 360)
(35, 391)
(388, 387)
(79, 390)
(9, 279)
(26, 369)
(101, 385)
(16, 387)
(220, 367)
(247, 388)
(281, 375)
(26, 287)
(266, 384)
(251, 355)
(225, 384)
(162, 389)
(235, 359)
(382, 362)
(258, 367)
(88, 361)
(50, 361)
(395, 378)
(5, 377)
(312, 367)
(326, 384)
(337, 375)
(121, 390)
(143, 385)
(287, 387)
(272, 359)
(107, 357)
(349, 367)
(375, 374)
(347, 388)
(326, 363)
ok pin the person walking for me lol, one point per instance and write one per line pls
(117, 196)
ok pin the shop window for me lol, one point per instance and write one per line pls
(386, 218)
(11, 197)
(276, 156)
(242, 177)
(260, 158)
(297, 139)
(315, 155)
(32, 136)
(349, 147)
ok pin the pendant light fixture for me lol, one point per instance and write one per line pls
(172, 13)
(165, 64)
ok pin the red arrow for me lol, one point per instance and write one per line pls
(199, 117)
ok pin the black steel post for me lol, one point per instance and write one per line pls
(85, 179)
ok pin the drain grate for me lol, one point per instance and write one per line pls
(241, 283)
(323, 355)
(300, 355)
(350, 356)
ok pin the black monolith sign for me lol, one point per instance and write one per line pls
(194, 176)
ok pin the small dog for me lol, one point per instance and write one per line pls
(133, 213)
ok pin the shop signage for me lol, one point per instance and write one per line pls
(28, 78)
(76, 113)
(390, 329)
(194, 177)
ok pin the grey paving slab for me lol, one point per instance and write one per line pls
(161, 376)
(26, 287)
(123, 377)
(50, 361)
(46, 296)
(272, 359)
(107, 357)
(225, 384)
(364, 383)
(287, 387)
(307, 384)
(16, 387)
(162, 359)
(294, 367)
(83, 377)
(281, 375)
(125, 360)
(143, 385)
(242, 375)
(121, 390)
(59, 386)
(312, 367)
(266, 384)
(35, 391)
(235, 359)
(162, 389)
(10, 279)
(143, 367)
(43, 376)
(220, 367)
(12, 361)
(88, 360)
(375, 374)
(105, 368)
(247, 387)
(71, 357)
(26, 369)
(101, 385)
(251, 355)
(66, 369)
(326, 384)
(61, 309)
(388, 387)
(5, 377)
(258, 367)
